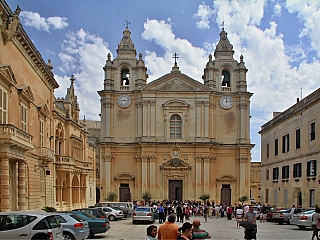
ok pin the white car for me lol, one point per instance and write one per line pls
(29, 225)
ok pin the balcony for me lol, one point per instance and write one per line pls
(10, 135)
(45, 153)
(226, 89)
(68, 163)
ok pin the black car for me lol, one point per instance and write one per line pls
(97, 212)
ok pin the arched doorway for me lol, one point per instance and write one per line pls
(297, 197)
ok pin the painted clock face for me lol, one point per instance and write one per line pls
(226, 102)
(124, 101)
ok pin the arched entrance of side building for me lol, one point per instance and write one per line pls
(297, 197)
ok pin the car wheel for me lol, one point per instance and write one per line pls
(112, 218)
(280, 222)
(91, 234)
(68, 236)
(302, 227)
(134, 222)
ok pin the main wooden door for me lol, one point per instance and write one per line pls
(124, 193)
(225, 194)
(175, 189)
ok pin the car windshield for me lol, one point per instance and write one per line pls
(307, 212)
(143, 210)
(86, 215)
(76, 217)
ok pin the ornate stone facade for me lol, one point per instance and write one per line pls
(175, 137)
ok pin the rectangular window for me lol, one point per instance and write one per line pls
(267, 174)
(312, 131)
(268, 150)
(298, 138)
(311, 195)
(276, 147)
(3, 106)
(275, 173)
(275, 196)
(285, 143)
(23, 117)
(267, 196)
(311, 168)
(285, 172)
(285, 196)
(297, 170)
(41, 130)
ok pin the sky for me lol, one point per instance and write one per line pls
(279, 40)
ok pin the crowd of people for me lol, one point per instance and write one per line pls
(174, 211)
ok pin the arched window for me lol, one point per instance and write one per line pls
(225, 77)
(175, 126)
(125, 77)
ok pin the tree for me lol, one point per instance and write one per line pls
(111, 196)
(204, 197)
(49, 209)
(243, 199)
(146, 196)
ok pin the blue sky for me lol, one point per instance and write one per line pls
(278, 39)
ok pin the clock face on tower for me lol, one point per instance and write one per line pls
(226, 102)
(124, 101)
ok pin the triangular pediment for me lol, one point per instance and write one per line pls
(26, 92)
(175, 164)
(6, 74)
(175, 82)
(43, 109)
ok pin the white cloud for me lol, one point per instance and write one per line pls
(34, 20)
(192, 59)
(203, 15)
(309, 12)
(82, 54)
(277, 9)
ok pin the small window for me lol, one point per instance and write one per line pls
(268, 152)
(311, 168)
(285, 172)
(23, 117)
(3, 106)
(267, 195)
(297, 170)
(312, 131)
(276, 143)
(175, 126)
(125, 77)
(285, 143)
(275, 173)
(225, 79)
(267, 174)
(41, 130)
(298, 138)
(311, 194)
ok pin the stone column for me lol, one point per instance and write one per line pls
(206, 119)
(139, 120)
(152, 173)
(107, 174)
(198, 175)
(144, 173)
(153, 119)
(206, 167)
(144, 119)
(198, 119)
(22, 186)
(5, 185)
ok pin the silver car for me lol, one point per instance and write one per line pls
(143, 214)
(29, 225)
(284, 215)
(114, 213)
(74, 227)
(303, 219)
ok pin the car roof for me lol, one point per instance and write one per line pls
(27, 213)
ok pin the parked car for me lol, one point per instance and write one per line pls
(29, 225)
(127, 207)
(96, 225)
(98, 212)
(114, 213)
(74, 227)
(302, 219)
(271, 212)
(284, 215)
(143, 214)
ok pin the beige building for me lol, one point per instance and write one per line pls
(290, 155)
(175, 137)
(45, 158)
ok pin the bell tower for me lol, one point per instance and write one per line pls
(125, 72)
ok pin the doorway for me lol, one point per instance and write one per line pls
(124, 193)
(175, 190)
(225, 194)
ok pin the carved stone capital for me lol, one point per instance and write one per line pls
(108, 105)
(107, 158)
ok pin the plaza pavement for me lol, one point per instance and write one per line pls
(220, 228)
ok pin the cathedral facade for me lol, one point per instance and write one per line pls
(175, 137)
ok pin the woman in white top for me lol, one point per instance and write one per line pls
(314, 223)
(239, 214)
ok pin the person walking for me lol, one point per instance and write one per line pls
(315, 223)
(161, 214)
(217, 211)
(169, 230)
(239, 215)
(205, 213)
(152, 232)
